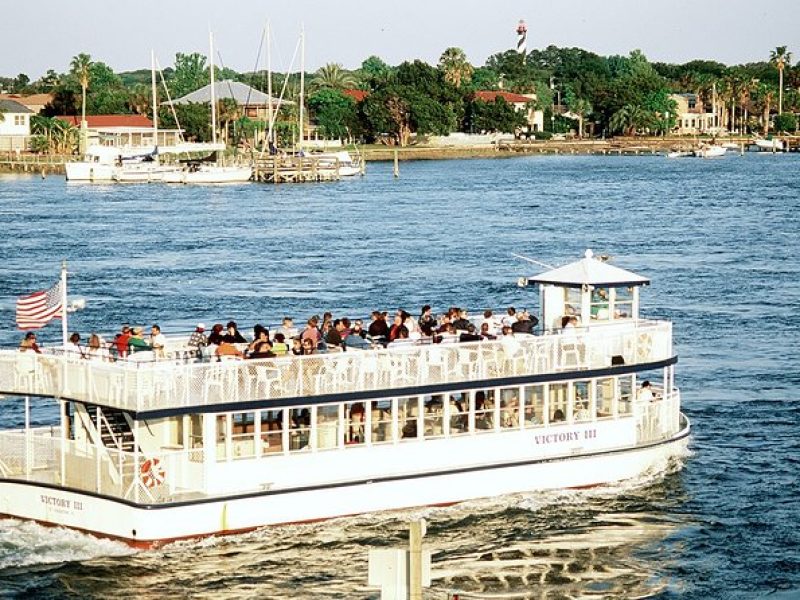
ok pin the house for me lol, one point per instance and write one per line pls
(692, 118)
(35, 102)
(357, 95)
(123, 130)
(15, 125)
(521, 103)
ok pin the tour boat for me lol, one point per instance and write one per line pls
(153, 451)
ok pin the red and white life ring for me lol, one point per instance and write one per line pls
(152, 473)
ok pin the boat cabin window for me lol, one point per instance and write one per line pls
(271, 431)
(243, 435)
(582, 404)
(572, 303)
(599, 304)
(408, 417)
(558, 403)
(299, 429)
(355, 423)
(483, 402)
(623, 302)
(605, 398)
(434, 416)
(459, 413)
(222, 437)
(509, 408)
(625, 395)
(382, 422)
(534, 406)
(327, 426)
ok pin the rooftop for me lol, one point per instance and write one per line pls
(589, 271)
(242, 94)
(102, 121)
(14, 107)
(510, 97)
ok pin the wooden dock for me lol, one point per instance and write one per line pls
(294, 169)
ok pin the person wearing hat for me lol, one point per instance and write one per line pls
(198, 339)
(136, 342)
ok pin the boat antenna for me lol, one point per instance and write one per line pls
(531, 260)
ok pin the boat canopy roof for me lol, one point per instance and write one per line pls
(589, 271)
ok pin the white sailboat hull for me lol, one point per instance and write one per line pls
(210, 174)
(89, 171)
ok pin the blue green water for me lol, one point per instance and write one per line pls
(718, 238)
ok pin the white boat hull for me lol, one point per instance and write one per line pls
(769, 145)
(143, 174)
(711, 152)
(210, 174)
(89, 171)
(149, 525)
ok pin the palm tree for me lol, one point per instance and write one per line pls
(80, 67)
(580, 107)
(780, 57)
(763, 95)
(628, 118)
(455, 66)
(333, 76)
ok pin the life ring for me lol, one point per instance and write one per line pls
(152, 473)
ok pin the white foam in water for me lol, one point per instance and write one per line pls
(24, 543)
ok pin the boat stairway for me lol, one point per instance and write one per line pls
(115, 428)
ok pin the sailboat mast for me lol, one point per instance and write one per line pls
(269, 83)
(155, 99)
(213, 94)
(302, 81)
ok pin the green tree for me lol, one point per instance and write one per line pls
(334, 77)
(455, 67)
(785, 122)
(497, 115)
(375, 71)
(21, 83)
(108, 95)
(763, 96)
(628, 119)
(780, 57)
(80, 68)
(190, 74)
(334, 112)
(194, 118)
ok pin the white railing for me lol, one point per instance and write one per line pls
(177, 384)
(658, 419)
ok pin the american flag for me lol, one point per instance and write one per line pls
(38, 309)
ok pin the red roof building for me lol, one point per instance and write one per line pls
(511, 98)
(103, 121)
(357, 95)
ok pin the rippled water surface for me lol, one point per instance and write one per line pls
(717, 238)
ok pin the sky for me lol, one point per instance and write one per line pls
(45, 35)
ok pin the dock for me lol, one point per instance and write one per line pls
(294, 169)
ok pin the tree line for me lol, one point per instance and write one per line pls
(576, 89)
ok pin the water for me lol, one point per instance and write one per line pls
(717, 238)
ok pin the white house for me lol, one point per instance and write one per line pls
(15, 125)
(692, 118)
(521, 102)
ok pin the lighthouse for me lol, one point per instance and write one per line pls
(522, 35)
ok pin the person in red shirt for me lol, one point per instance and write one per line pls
(121, 341)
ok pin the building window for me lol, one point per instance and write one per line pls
(19, 120)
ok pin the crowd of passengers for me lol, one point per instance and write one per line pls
(320, 335)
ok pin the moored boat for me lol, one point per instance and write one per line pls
(710, 151)
(152, 451)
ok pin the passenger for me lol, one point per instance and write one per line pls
(358, 329)
(378, 328)
(136, 342)
(29, 343)
(216, 335)
(485, 332)
(297, 346)
(394, 330)
(227, 349)
(558, 416)
(490, 323)
(121, 341)
(582, 411)
(427, 322)
(198, 339)
(411, 324)
(355, 434)
(311, 332)
(309, 347)
(525, 323)
(157, 341)
(470, 335)
(261, 335)
(73, 347)
(280, 347)
(402, 338)
(333, 337)
(287, 328)
(510, 318)
(262, 350)
(462, 322)
(96, 350)
(233, 332)
(646, 392)
(355, 339)
(483, 415)
(444, 322)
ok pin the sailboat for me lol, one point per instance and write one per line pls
(149, 169)
(204, 173)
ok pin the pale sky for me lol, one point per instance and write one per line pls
(36, 36)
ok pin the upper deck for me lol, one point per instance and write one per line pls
(177, 385)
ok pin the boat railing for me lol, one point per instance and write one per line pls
(658, 419)
(177, 384)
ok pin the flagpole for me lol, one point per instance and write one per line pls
(64, 303)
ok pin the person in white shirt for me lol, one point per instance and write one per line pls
(73, 346)
(646, 392)
(157, 341)
(287, 328)
(510, 318)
